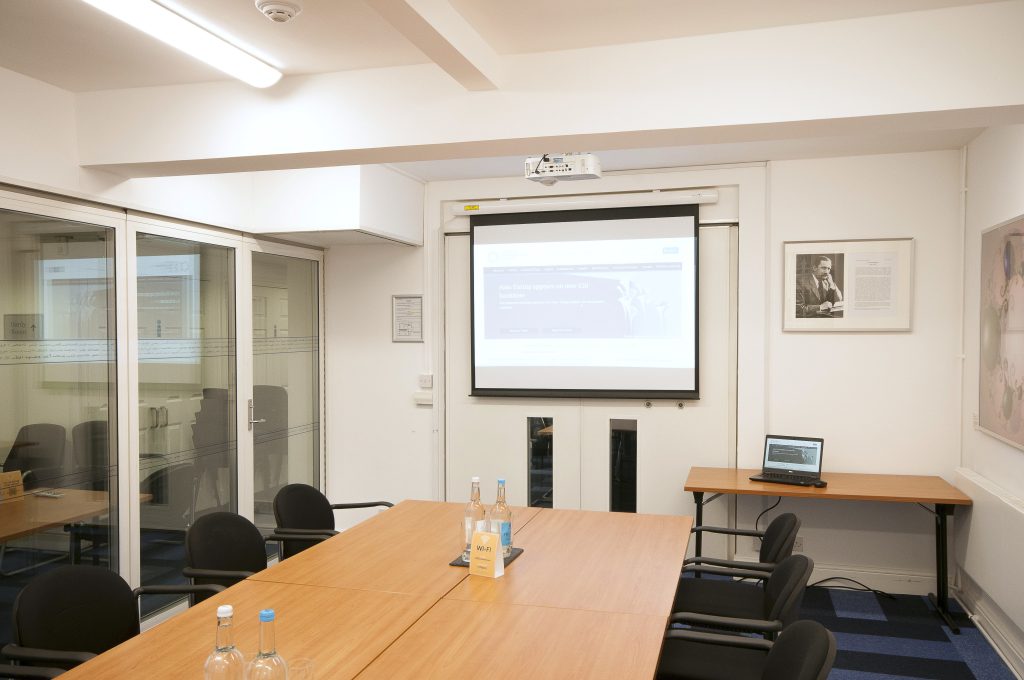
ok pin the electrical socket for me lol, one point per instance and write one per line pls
(798, 544)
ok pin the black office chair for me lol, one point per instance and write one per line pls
(735, 605)
(223, 548)
(805, 650)
(90, 455)
(302, 509)
(38, 453)
(777, 542)
(66, 616)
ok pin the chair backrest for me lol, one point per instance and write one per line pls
(226, 541)
(805, 650)
(39, 448)
(301, 506)
(90, 453)
(779, 538)
(784, 589)
(78, 608)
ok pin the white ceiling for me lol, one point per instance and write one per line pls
(77, 48)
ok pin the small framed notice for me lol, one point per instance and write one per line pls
(406, 318)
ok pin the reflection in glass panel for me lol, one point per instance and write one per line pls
(286, 371)
(58, 502)
(540, 434)
(622, 458)
(187, 442)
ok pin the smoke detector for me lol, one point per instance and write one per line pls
(277, 11)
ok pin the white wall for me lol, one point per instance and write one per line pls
(988, 543)
(378, 439)
(884, 402)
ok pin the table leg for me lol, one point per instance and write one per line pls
(698, 498)
(941, 596)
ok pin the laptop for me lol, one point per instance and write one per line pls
(791, 460)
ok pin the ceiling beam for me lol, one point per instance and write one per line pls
(441, 33)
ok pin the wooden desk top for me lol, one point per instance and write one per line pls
(461, 639)
(405, 549)
(340, 630)
(841, 486)
(31, 513)
(598, 561)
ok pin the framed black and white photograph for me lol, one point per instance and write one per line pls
(859, 285)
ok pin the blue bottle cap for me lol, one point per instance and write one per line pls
(501, 480)
(266, 615)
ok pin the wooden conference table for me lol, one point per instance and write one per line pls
(931, 490)
(589, 598)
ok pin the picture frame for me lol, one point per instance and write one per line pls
(1001, 332)
(854, 285)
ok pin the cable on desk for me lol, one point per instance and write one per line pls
(862, 586)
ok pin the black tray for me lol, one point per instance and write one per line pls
(459, 562)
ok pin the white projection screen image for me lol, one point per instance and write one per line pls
(585, 303)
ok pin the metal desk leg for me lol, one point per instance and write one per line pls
(698, 498)
(941, 596)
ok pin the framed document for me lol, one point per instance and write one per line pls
(406, 318)
(863, 285)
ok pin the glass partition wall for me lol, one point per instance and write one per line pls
(187, 395)
(285, 406)
(123, 392)
(58, 492)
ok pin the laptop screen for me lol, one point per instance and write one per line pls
(797, 455)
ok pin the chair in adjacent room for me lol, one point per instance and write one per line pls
(38, 453)
(223, 548)
(805, 650)
(735, 605)
(90, 455)
(70, 614)
(301, 509)
(777, 542)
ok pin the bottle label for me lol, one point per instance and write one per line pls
(505, 531)
(467, 528)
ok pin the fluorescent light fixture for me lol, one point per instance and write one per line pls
(180, 33)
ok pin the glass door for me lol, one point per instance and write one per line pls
(285, 407)
(187, 393)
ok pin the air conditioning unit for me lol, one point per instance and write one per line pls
(550, 168)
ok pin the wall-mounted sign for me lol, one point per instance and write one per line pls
(406, 318)
(23, 326)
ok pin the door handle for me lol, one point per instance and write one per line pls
(252, 419)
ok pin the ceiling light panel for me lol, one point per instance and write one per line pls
(180, 33)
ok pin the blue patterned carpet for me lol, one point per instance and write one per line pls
(900, 639)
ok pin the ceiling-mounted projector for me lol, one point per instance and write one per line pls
(550, 168)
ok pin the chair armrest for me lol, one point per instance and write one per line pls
(719, 639)
(368, 504)
(728, 571)
(51, 656)
(211, 588)
(191, 572)
(726, 530)
(732, 623)
(767, 567)
(8, 671)
(299, 533)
